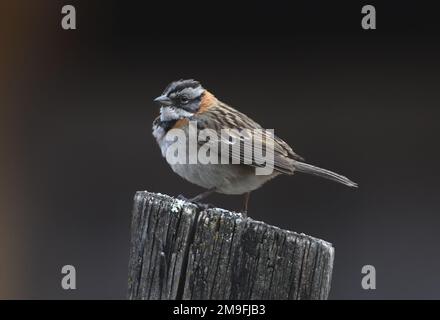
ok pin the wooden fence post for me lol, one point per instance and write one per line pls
(181, 252)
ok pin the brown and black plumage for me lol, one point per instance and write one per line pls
(185, 101)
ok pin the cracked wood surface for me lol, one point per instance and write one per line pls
(180, 252)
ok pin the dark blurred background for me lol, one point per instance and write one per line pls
(76, 111)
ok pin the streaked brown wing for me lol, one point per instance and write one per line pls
(242, 130)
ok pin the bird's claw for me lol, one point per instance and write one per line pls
(183, 198)
(201, 206)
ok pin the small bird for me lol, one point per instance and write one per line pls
(184, 101)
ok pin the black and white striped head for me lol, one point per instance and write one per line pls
(180, 99)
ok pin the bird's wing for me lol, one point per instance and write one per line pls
(242, 132)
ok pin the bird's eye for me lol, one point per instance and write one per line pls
(184, 99)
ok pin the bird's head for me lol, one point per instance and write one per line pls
(181, 99)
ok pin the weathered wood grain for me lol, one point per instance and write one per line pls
(181, 252)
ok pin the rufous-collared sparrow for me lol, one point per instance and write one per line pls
(184, 102)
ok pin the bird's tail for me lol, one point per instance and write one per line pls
(308, 168)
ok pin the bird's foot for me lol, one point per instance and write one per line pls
(183, 198)
(201, 206)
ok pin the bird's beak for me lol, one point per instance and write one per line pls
(163, 100)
